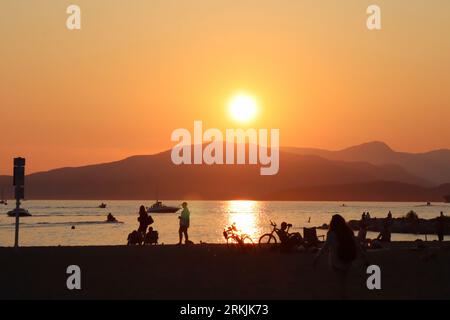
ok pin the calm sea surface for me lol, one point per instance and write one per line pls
(52, 221)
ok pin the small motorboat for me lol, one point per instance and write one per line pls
(158, 207)
(102, 205)
(22, 212)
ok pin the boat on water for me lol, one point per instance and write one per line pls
(159, 207)
(102, 205)
(22, 212)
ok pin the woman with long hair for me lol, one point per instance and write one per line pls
(144, 220)
(342, 249)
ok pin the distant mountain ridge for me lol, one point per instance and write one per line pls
(433, 166)
(301, 177)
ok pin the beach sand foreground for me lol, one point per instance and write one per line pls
(217, 272)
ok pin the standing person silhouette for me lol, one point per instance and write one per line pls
(184, 224)
(440, 226)
(144, 220)
(342, 249)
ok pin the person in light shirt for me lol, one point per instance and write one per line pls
(184, 223)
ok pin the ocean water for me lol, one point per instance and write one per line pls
(52, 221)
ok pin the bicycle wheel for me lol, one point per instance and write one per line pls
(232, 241)
(267, 238)
(247, 240)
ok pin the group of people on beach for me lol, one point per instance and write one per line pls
(142, 236)
(387, 222)
(383, 236)
(341, 245)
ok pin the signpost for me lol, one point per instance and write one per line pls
(19, 185)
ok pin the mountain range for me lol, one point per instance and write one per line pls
(433, 166)
(371, 171)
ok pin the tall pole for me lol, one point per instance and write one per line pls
(19, 190)
(16, 238)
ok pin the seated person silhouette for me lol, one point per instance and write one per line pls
(151, 237)
(288, 240)
(134, 238)
(385, 234)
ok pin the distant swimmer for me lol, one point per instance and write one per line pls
(110, 218)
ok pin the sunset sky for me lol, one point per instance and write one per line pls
(139, 69)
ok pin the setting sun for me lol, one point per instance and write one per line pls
(243, 107)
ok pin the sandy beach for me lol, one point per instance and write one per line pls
(207, 271)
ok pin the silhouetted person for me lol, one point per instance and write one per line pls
(110, 218)
(144, 220)
(151, 237)
(368, 215)
(184, 223)
(440, 226)
(385, 234)
(342, 249)
(362, 232)
(287, 239)
(135, 238)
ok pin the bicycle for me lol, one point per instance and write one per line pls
(235, 236)
(269, 238)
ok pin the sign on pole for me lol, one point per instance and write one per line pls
(19, 184)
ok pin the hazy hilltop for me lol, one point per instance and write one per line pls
(433, 166)
(326, 175)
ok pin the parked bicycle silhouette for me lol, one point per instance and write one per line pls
(235, 236)
(269, 238)
(290, 240)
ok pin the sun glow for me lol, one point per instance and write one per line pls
(243, 107)
(244, 215)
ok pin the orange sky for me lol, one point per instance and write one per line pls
(140, 69)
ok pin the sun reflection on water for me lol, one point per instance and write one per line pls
(245, 214)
